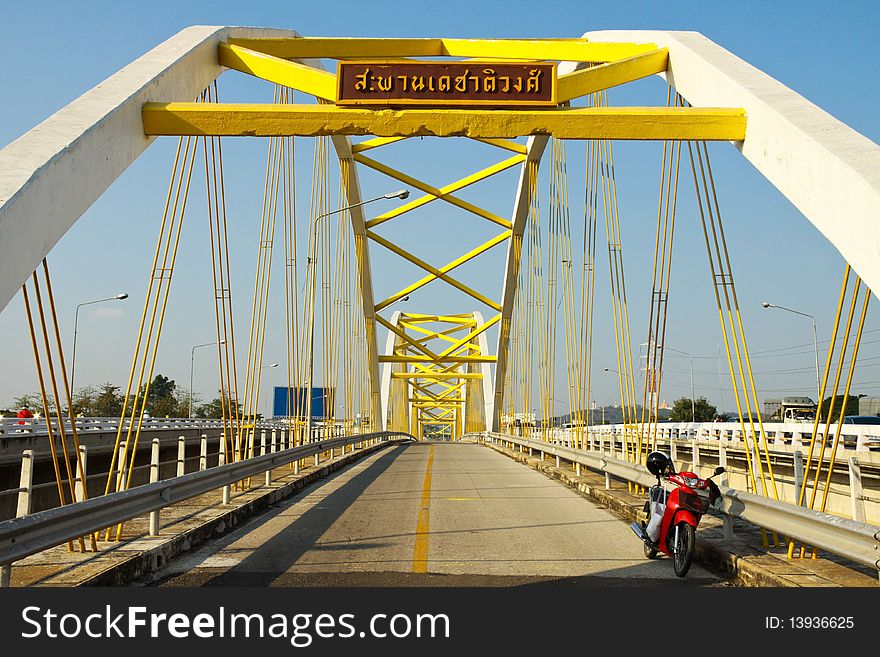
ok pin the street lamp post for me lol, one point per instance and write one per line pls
(401, 194)
(691, 361)
(118, 297)
(815, 343)
(192, 359)
(265, 367)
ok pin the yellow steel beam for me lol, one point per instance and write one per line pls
(450, 389)
(453, 187)
(429, 370)
(406, 338)
(442, 271)
(323, 47)
(439, 335)
(376, 142)
(443, 375)
(413, 358)
(576, 50)
(630, 123)
(423, 387)
(466, 319)
(308, 79)
(470, 336)
(431, 190)
(590, 80)
(435, 272)
(506, 145)
(432, 335)
(437, 405)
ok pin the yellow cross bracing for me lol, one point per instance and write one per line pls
(613, 64)
(610, 65)
(442, 370)
(438, 360)
(442, 386)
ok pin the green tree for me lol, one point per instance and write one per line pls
(851, 407)
(84, 401)
(107, 401)
(214, 408)
(33, 402)
(164, 399)
(700, 411)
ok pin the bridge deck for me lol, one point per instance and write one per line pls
(465, 514)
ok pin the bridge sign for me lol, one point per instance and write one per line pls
(464, 83)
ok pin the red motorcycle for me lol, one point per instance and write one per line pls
(672, 516)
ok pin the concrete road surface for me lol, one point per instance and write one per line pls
(444, 514)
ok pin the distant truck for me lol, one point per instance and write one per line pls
(790, 409)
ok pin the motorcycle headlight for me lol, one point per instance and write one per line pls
(693, 482)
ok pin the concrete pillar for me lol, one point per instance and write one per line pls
(855, 490)
(81, 470)
(221, 460)
(798, 461)
(181, 456)
(203, 453)
(154, 477)
(23, 508)
(723, 480)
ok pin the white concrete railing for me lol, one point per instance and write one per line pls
(860, 437)
(11, 426)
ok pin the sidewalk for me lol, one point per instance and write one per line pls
(744, 559)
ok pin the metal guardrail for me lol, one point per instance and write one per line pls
(857, 541)
(30, 534)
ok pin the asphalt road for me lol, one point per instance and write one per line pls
(430, 514)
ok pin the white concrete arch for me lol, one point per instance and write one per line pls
(52, 174)
(830, 172)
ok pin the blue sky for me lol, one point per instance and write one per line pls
(54, 51)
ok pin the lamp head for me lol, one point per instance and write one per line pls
(401, 194)
(120, 297)
(765, 304)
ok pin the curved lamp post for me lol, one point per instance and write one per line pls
(119, 297)
(766, 304)
(192, 359)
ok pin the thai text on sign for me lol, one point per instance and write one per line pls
(446, 83)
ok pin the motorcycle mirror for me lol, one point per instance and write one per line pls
(719, 470)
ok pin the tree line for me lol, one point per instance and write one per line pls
(164, 399)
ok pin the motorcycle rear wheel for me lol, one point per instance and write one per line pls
(683, 551)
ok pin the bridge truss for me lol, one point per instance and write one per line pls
(437, 373)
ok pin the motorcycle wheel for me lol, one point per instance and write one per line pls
(650, 553)
(683, 552)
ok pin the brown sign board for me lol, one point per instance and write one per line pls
(462, 83)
